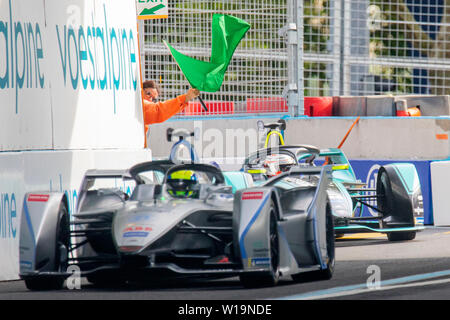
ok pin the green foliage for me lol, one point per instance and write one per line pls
(316, 25)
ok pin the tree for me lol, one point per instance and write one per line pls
(437, 49)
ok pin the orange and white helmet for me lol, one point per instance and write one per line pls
(277, 163)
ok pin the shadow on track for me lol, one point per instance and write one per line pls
(342, 243)
(169, 284)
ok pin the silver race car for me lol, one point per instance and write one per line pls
(180, 220)
(190, 224)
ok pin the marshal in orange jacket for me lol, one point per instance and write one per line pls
(157, 112)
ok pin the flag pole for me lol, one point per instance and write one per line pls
(202, 103)
(327, 159)
(348, 132)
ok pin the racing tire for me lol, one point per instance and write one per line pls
(43, 283)
(327, 273)
(395, 207)
(270, 278)
(401, 236)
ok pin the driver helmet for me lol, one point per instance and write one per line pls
(277, 163)
(181, 184)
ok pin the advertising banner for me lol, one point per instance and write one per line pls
(96, 93)
(11, 196)
(25, 107)
(59, 171)
(69, 75)
(70, 100)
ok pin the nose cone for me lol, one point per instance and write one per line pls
(130, 249)
(142, 225)
(133, 228)
(132, 234)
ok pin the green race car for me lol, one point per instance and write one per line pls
(396, 198)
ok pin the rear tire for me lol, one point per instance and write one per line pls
(270, 278)
(396, 207)
(401, 236)
(62, 246)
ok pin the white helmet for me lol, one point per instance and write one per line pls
(277, 163)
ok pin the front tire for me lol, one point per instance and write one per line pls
(62, 245)
(270, 278)
(327, 273)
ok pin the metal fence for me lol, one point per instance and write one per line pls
(371, 47)
(350, 47)
(257, 74)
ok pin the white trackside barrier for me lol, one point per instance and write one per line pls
(69, 75)
(413, 138)
(70, 101)
(440, 179)
(60, 171)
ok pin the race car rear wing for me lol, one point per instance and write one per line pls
(95, 173)
(91, 176)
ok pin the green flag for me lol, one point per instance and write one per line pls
(227, 33)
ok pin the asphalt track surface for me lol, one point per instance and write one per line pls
(368, 267)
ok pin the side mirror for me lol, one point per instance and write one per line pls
(260, 125)
(169, 134)
(283, 124)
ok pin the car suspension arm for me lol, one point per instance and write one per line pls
(194, 228)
